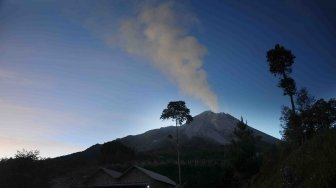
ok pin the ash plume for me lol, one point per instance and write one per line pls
(158, 33)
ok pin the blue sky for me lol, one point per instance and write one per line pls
(76, 73)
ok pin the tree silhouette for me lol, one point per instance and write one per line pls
(312, 116)
(178, 112)
(24, 154)
(280, 61)
(304, 100)
(27, 169)
(243, 153)
(292, 127)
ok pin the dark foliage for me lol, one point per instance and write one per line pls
(116, 152)
(304, 100)
(243, 155)
(24, 171)
(288, 85)
(311, 165)
(291, 124)
(280, 61)
(312, 117)
(306, 157)
(29, 155)
(178, 111)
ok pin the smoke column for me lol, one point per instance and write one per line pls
(156, 32)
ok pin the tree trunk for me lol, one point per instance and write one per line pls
(292, 102)
(178, 155)
(290, 95)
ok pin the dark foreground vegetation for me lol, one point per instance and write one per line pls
(311, 165)
(304, 158)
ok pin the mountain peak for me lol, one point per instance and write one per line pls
(218, 127)
(211, 125)
(211, 113)
(207, 112)
(214, 127)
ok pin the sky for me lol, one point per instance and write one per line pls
(77, 73)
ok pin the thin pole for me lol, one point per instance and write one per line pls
(178, 154)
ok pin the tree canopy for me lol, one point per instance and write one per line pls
(280, 61)
(178, 111)
(312, 116)
(243, 153)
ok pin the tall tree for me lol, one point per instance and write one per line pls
(178, 112)
(292, 128)
(243, 151)
(312, 116)
(280, 61)
(304, 100)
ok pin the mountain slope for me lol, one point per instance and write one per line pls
(215, 127)
(209, 128)
(311, 165)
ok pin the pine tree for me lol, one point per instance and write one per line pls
(243, 152)
(280, 61)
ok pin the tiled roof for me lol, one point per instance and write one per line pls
(156, 176)
(112, 173)
(149, 173)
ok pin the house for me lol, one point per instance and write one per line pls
(135, 177)
(103, 177)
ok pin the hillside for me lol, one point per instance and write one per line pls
(311, 165)
(208, 130)
(218, 127)
(212, 127)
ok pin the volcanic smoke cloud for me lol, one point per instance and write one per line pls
(157, 33)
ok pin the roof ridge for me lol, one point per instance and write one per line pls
(113, 173)
(156, 176)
